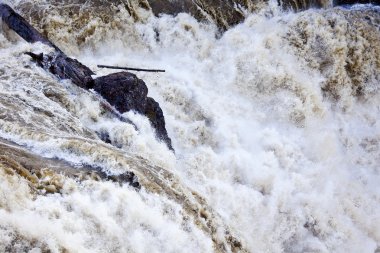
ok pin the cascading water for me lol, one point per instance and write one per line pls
(275, 125)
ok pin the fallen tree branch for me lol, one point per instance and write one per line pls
(133, 69)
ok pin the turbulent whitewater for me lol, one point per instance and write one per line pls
(275, 124)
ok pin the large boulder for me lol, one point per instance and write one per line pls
(126, 92)
(123, 90)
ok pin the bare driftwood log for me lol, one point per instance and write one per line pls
(133, 69)
(122, 90)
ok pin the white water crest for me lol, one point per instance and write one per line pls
(275, 124)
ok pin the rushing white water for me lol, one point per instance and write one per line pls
(267, 122)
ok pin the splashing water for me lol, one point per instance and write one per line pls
(275, 124)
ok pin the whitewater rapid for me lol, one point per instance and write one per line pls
(275, 124)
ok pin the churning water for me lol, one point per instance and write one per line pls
(275, 125)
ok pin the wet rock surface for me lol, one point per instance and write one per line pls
(156, 116)
(46, 175)
(126, 92)
(65, 68)
(350, 2)
(122, 90)
(223, 13)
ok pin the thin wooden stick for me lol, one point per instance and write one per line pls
(134, 69)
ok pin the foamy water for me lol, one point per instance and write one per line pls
(268, 122)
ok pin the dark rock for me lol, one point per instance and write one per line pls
(123, 90)
(65, 68)
(127, 177)
(156, 117)
(126, 92)
(104, 136)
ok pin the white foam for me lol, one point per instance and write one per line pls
(285, 166)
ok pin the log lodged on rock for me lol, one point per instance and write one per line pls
(122, 90)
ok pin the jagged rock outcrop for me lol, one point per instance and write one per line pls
(127, 92)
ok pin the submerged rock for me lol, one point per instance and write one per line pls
(123, 90)
(47, 175)
(224, 13)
